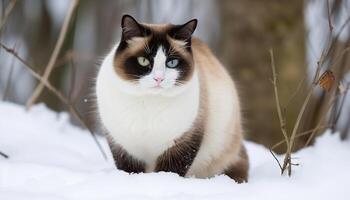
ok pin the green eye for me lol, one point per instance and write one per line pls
(143, 61)
(172, 63)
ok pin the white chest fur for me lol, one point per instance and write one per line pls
(145, 125)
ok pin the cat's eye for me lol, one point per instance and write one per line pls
(172, 63)
(143, 61)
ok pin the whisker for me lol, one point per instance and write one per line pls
(136, 76)
(180, 83)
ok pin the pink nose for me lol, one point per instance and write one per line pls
(158, 79)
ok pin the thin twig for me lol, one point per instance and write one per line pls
(4, 155)
(342, 104)
(299, 135)
(278, 105)
(8, 11)
(330, 105)
(329, 17)
(295, 92)
(72, 80)
(278, 162)
(346, 130)
(337, 109)
(295, 129)
(327, 48)
(338, 58)
(8, 81)
(57, 93)
(53, 58)
(347, 21)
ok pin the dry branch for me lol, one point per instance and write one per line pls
(287, 163)
(289, 142)
(8, 11)
(342, 103)
(329, 106)
(8, 81)
(53, 58)
(274, 156)
(295, 92)
(300, 135)
(329, 17)
(4, 155)
(278, 105)
(57, 93)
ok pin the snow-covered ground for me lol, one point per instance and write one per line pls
(52, 159)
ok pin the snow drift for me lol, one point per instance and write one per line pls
(52, 159)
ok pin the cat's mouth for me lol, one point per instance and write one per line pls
(158, 89)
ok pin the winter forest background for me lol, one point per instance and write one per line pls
(239, 32)
(290, 60)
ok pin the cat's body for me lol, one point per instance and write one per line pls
(188, 122)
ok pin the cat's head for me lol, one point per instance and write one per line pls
(154, 59)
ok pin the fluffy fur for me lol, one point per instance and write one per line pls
(190, 123)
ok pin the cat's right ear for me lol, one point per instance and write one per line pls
(185, 31)
(130, 28)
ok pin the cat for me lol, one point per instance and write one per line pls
(167, 104)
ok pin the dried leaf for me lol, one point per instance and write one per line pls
(326, 80)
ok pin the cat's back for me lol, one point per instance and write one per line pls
(223, 113)
(207, 63)
(212, 72)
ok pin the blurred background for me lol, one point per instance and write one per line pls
(239, 32)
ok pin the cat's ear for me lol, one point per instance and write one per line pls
(185, 31)
(130, 28)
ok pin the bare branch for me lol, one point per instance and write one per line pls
(57, 49)
(329, 17)
(8, 81)
(299, 135)
(347, 21)
(278, 162)
(341, 104)
(330, 105)
(3, 155)
(287, 164)
(7, 13)
(57, 93)
(72, 81)
(287, 161)
(295, 92)
(278, 105)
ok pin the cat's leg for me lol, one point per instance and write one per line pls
(239, 170)
(179, 158)
(124, 161)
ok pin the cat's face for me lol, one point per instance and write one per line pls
(154, 59)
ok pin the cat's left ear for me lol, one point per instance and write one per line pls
(185, 31)
(130, 28)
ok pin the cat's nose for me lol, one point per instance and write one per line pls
(158, 79)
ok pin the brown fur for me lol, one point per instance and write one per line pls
(136, 47)
(239, 170)
(179, 157)
(233, 160)
(123, 160)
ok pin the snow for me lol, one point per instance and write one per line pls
(52, 159)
